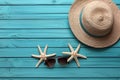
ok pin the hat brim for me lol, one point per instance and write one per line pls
(95, 42)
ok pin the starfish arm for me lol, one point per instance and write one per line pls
(50, 55)
(70, 58)
(71, 48)
(69, 53)
(77, 62)
(40, 50)
(82, 56)
(39, 62)
(77, 48)
(45, 50)
(36, 56)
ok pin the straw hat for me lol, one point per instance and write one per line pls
(96, 23)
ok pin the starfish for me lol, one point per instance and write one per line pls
(74, 54)
(42, 55)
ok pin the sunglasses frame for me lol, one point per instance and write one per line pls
(50, 61)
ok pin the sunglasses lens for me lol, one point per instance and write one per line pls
(50, 63)
(62, 61)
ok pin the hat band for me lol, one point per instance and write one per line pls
(81, 15)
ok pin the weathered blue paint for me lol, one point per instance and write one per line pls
(26, 23)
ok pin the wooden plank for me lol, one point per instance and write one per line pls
(63, 9)
(89, 63)
(30, 17)
(25, 2)
(32, 43)
(116, 1)
(37, 33)
(59, 78)
(34, 24)
(7, 14)
(89, 52)
(61, 72)
(34, 9)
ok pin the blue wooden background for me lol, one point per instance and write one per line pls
(26, 23)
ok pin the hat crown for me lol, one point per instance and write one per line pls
(97, 18)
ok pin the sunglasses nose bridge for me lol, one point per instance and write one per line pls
(50, 62)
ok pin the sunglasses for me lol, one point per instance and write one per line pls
(50, 62)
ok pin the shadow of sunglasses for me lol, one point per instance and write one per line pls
(50, 62)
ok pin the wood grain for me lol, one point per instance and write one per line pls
(61, 72)
(26, 2)
(74, 78)
(98, 62)
(31, 43)
(26, 23)
(89, 52)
